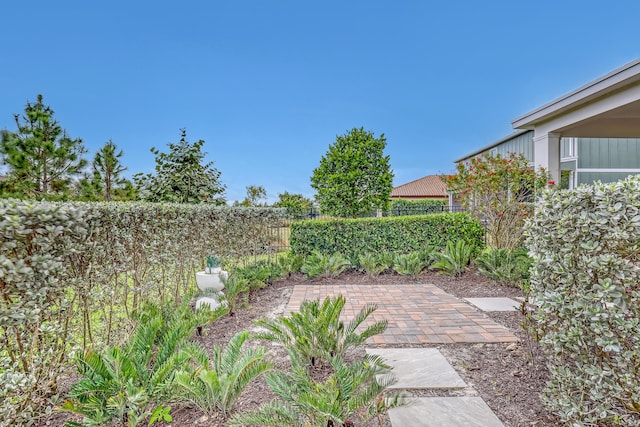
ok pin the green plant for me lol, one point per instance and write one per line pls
(352, 391)
(409, 264)
(235, 287)
(319, 265)
(212, 262)
(504, 265)
(500, 191)
(454, 259)
(316, 332)
(372, 264)
(260, 273)
(290, 263)
(214, 384)
(585, 289)
(397, 235)
(354, 176)
(127, 384)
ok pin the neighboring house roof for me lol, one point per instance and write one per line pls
(492, 145)
(426, 187)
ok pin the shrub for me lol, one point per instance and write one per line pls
(215, 384)
(454, 259)
(316, 331)
(504, 265)
(319, 265)
(585, 284)
(409, 265)
(404, 207)
(372, 264)
(352, 237)
(353, 390)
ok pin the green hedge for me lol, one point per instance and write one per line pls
(404, 207)
(71, 275)
(353, 237)
(585, 282)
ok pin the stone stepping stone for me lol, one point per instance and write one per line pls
(419, 368)
(444, 411)
(494, 304)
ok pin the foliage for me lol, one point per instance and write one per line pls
(127, 384)
(108, 169)
(181, 176)
(585, 284)
(353, 237)
(255, 193)
(41, 157)
(353, 390)
(372, 264)
(290, 263)
(455, 258)
(354, 176)
(404, 207)
(260, 273)
(498, 190)
(235, 287)
(409, 264)
(296, 204)
(319, 265)
(316, 332)
(504, 265)
(37, 300)
(73, 274)
(215, 384)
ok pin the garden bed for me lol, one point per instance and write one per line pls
(505, 376)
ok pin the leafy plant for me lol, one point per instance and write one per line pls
(352, 390)
(235, 288)
(454, 259)
(212, 262)
(372, 265)
(215, 384)
(409, 264)
(290, 263)
(320, 265)
(504, 265)
(128, 384)
(260, 273)
(316, 332)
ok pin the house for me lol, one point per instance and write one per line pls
(582, 160)
(428, 187)
(589, 134)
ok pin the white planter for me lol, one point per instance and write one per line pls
(211, 280)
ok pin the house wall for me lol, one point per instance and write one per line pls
(522, 144)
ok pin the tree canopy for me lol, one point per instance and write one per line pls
(41, 158)
(180, 176)
(354, 176)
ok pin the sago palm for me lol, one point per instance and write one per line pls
(214, 384)
(352, 391)
(316, 331)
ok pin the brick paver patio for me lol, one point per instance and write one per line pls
(417, 313)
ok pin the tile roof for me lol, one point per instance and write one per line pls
(428, 186)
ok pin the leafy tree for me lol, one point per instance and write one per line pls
(41, 158)
(181, 177)
(255, 193)
(107, 167)
(294, 203)
(499, 191)
(354, 176)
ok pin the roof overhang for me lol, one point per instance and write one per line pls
(606, 107)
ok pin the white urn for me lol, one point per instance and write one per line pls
(211, 279)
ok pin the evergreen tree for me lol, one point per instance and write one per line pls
(354, 176)
(40, 157)
(108, 169)
(181, 177)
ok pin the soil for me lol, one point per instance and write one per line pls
(508, 377)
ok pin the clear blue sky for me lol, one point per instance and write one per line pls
(268, 84)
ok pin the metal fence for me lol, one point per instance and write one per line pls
(316, 213)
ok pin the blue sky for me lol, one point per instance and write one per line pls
(268, 84)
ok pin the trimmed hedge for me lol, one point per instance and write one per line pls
(405, 207)
(585, 282)
(353, 237)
